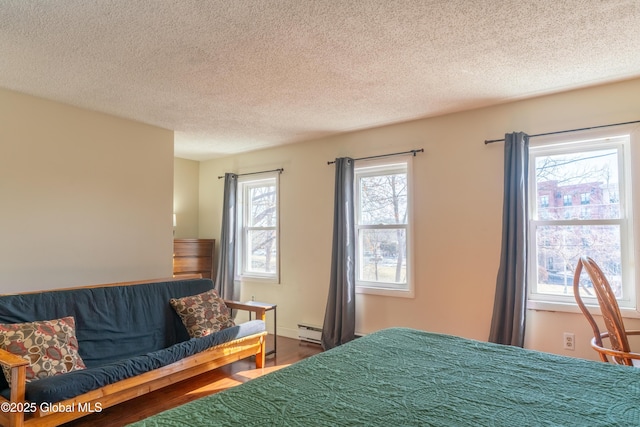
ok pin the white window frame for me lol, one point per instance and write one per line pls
(381, 167)
(245, 183)
(586, 141)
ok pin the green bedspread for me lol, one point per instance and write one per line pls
(405, 377)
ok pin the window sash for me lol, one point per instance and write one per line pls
(572, 228)
(388, 269)
(249, 203)
(250, 256)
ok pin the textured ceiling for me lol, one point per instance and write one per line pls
(239, 75)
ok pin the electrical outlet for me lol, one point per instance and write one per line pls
(569, 341)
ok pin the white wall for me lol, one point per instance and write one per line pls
(186, 197)
(85, 197)
(458, 210)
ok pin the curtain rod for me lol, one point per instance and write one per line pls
(254, 173)
(414, 152)
(489, 141)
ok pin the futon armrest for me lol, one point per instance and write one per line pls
(11, 360)
(237, 305)
(18, 367)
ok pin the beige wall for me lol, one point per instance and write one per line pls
(186, 196)
(458, 209)
(86, 197)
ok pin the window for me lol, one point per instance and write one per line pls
(544, 201)
(383, 221)
(585, 198)
(560, 233)
(257, 228)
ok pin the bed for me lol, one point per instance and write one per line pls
(406, 377)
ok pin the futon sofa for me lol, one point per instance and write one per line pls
(130, 340)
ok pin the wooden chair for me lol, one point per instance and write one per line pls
(619, 351)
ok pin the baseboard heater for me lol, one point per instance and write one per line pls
(309, 333)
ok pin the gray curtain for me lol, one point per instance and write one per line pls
(508, 322)
(225, 283)
(340, 315)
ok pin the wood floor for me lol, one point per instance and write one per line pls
(289, 351)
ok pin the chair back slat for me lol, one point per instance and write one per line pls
(608, 308)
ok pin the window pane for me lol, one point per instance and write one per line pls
(262, 252)
(262, 206)
(383, 199)
(578, 185)
(383, 255)
(558, 250)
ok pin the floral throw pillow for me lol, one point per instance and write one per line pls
(203, 314)
(50, 346)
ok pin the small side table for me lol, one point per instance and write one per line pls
(267, 307)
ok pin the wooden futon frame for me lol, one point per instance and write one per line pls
(17, 411)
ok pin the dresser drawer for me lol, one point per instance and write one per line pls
(193, 249)
(194, 256)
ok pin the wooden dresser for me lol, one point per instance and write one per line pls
(193, 256)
